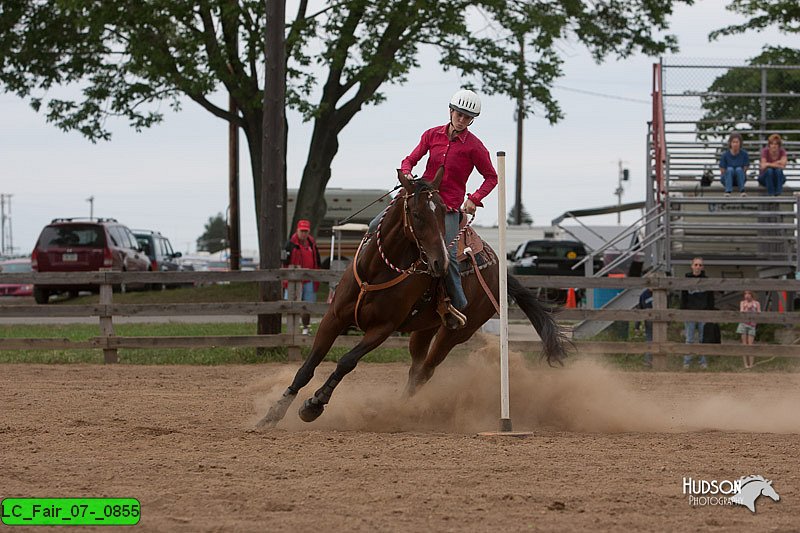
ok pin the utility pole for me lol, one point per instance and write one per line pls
(234, 239)
(3, 224)
(520, 119)
(623, 175)
(91, 207)
(6, 235)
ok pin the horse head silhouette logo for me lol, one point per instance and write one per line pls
(751, 488)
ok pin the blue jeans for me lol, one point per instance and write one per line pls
(309, 295)
(690, 339)
(648, 335)
(452, 280)
(727, 178)
(773, 179)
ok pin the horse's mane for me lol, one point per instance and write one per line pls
(745, 480)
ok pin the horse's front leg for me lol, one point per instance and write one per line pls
(313, 407)
(330, 327)
(418, 346)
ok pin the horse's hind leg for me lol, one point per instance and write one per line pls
(329, 328)
(445, 341)
(418, 346)
(314, 406)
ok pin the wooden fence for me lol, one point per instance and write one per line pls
(106, 310)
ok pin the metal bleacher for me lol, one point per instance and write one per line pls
(746, 237)
(752, 236)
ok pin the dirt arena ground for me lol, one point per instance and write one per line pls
(608, 450)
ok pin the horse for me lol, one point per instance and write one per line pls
(380, 298)
(751, 487)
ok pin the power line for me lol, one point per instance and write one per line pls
(603, 95)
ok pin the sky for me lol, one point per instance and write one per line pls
(173, 177)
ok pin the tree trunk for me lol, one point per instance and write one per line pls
(317, 172)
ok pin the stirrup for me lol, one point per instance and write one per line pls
(455, 319)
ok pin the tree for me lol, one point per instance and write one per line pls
(525, 217)
(785, 14)
(727, 113)
(215, 236)
(128, 56)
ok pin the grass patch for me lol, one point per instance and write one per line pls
(227, 292)
(164, 356)
(765, 335)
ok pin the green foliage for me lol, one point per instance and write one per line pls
(82, 62)
(783, 14)
(125, 57)
(732, 112)
(215, 236)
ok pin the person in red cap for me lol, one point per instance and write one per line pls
(301, 250)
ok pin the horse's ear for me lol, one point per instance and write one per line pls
(437, 180)
(404, 181)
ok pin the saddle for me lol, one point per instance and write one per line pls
(473, 254)
(473, 243)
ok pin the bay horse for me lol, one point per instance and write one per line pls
(380, 298)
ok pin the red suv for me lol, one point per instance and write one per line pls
(84, 245)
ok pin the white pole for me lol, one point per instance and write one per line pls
(505, 418)
(330, 261)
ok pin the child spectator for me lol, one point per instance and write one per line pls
(748, 329)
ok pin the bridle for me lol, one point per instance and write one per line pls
(408, 230)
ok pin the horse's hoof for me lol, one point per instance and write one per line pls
(311, 410)
(276, 412)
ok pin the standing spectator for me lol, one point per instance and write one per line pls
(646, 302)
(733, 164)
(748, 329)
(301, 251)
(773, 161)
(696, 300)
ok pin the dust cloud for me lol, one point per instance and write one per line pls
(585, 396)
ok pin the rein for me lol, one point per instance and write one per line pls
(408, 228)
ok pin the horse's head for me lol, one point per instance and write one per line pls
(423, 220)
(770, 492)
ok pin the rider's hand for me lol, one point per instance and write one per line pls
(469, 207)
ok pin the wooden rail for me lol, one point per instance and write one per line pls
(109, 342)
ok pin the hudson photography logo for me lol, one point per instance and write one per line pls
(743, 491)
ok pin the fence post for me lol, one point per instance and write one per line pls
(106, 324)
(659, 326)
(294, 294)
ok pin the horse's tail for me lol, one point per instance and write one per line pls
(554, 341)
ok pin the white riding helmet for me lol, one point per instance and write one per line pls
(466, 102)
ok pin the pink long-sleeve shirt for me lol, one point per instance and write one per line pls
(459, 157)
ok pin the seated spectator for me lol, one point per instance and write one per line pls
(733, 164)
(773, 161)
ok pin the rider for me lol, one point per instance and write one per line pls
(460, 151)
